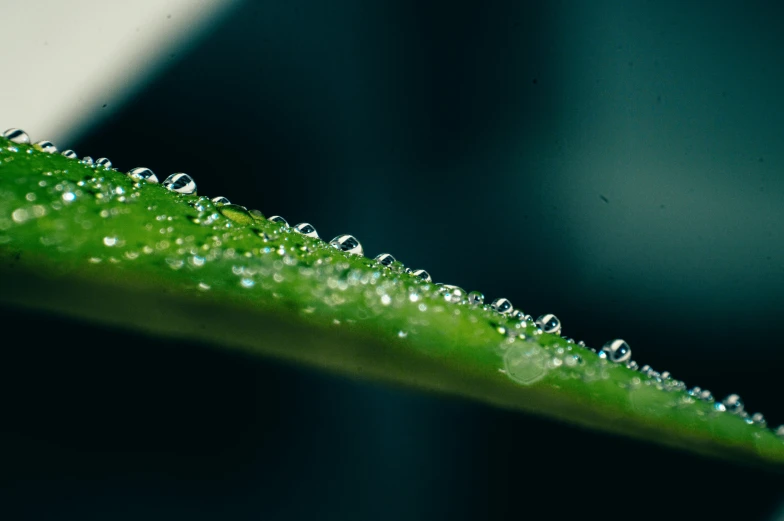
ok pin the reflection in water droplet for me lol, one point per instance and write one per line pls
(422, 274)
(706, 396)
(103, 162)
(617, 351)
(236, 213)
(70, 154)
(453, 294)
(733, 404)
(306, 229)
(517, 314)
(476, 298)
(631, 364)
(348, 244)
(143, 174)
(758, 419)
(87, 160)
(17, 135)
(278, 219)
(46, 146)
(220, 200)
(549, 323)
(385, 259)
(180, 183)
(502, 305)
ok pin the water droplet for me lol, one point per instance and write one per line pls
(631, 364)
(143, 174)
(453, 294)
(17, 135)
(502, 305)
(247, 283)
(305, 229)
(518, 314)
(87, 160)
(110, 241)
(422, 274)
(617, 351)
(706, 396)
(694, 392)
(758, 419)
(402, 334)
(780, 431)
(549, 323)
(733, 403)
(236, 213)
(476, 298)
(385, 259)
(180, 183)
(46, 146)
(256, 214)
(70, 154)
(103, 162)
(220, 200)
(278, 219)
(348, 244)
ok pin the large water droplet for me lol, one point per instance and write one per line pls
(549, 323)
(17, 135)
(422, 274)
(103, 162)
(733, 403)
(348, 244)
(143, 174)
(220, 200)
(306, 229)
(238, 214)
(502, 305)
(46, 146)
(180, 183)
(476, 298)
(278, 219)
(385, 259)
(617, 351)
(454, 294)
(70, 154)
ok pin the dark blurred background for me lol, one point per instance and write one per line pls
(615, 163)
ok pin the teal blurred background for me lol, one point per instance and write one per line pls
(615, 163)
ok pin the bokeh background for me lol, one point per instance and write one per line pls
(617, 163)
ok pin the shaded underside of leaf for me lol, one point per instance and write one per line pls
(94, 244)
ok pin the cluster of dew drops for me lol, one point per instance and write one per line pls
(616, 351)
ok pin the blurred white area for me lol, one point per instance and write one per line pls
(64, 60)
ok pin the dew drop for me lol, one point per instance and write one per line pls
(87, 160)
(476, 298)
(220, 200)
(422, 274)
(236, 213)
(617, 351)
(348, 244)
(278, 219)
(780, 431)
(733, 404)
(17, 135)
(306, 229)
(502, 305)
(103, 162)
(256, 214)
(631, 364)
(70, 154)
(46, 146)
(385, 259)
(143, 174)
(549, 323)
(453, 294)
(517, 314)
(180, 183)
(758, 419)
(706, 396)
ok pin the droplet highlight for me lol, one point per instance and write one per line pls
(180, 183)
(17, 135)
(348, 244)
(143, 174)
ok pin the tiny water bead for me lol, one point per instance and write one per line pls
(422, 274)
(180, 183)
(103, 162)
(617, 351)
(17, 135)
(46, 146)
(306, 229)
(502, 305)
(87, 160)
(476, 298)
(549, 323)
(348, 244)
(238, 214)
(278, 219)
(70, 154)
(453, 294)
(143, 174)
(385, 259)
(220, 200)
(733, 404)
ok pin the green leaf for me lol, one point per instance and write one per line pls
(93, 243)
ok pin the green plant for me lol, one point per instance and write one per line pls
(80, 238)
